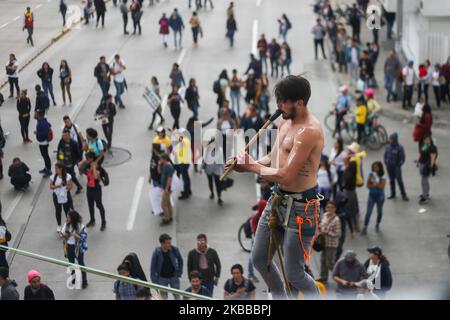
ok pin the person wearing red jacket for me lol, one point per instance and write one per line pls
(29, 24)
(424, 126)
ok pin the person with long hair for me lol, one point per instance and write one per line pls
(326, 179)
(74, 234)
(174, 101)
(379, 276)
(423, 128)
(153, 88)
(46, 75)
(24, 109)
(61, 184)
(164, 29)
(65, 74)
(213, 166)
(192, 97)
(223, 83)
(284, 26)
(337, 156)
(376, 183)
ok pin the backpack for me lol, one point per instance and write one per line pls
(50, 133)
(216, 86)
(105, 144)
(2, 138)
(104, 176)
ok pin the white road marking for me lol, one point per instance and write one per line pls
(258, 3)
(135, 203)
(3, 25)
(16, 18)
(255, 37)
(75, 111)
(182, 54)
(13, 205)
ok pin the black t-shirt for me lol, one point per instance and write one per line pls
(232, 287)
(176, 102)
(425, 155)
(167, 270)
(154, 174)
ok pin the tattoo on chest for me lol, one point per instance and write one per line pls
(305, 170)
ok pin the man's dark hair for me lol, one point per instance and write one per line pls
(123, 266)
(66, 118)
(202, 236)
(143, 292)
(237, 266)
(37, 87)
(293, 88)
(66, 131)
(4, 272)
(195, 274)
(92, 132)
(164, 237)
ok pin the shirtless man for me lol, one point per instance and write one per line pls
(292, 165)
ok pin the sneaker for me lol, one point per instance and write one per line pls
(47, 173)
(392, 196)
(423, 200)
(84, 285)
(220, 202)
(405, 198)
(58, 229)
(43, 171)
(211, 196)
(103, 227)
(165, 222)
(91, 223)
(183, 196)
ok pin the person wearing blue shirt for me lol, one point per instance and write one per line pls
(343, 104)
(176, 24)
(42, 131)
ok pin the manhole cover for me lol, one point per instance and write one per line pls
(118, 157)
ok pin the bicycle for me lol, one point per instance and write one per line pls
(330, 123)
(245, 236)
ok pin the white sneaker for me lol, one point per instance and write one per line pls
(58, 229)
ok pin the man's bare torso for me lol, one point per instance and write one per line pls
(289, 141)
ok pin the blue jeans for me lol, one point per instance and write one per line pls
(183, 169)
(104, 86)
(173, 282)
(175, 32)
(293, 253)
(388, 84)
(230, 35)
(235, 95)
(263, 58)
(395, 173)
(120, 89)
(378, 199)
(47, 86)
(209, 286)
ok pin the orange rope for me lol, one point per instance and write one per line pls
(307, 256)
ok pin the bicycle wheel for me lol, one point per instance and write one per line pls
(245, 243)
(383, 134)
(330, 121)
(375, 141)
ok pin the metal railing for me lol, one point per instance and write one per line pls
(105, 274)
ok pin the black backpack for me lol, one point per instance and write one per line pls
(216, 86)
(104, 176)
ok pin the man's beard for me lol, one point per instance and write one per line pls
(289, 116)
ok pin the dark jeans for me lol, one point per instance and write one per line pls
(183, 169)
(263, 58)
(395, 173)
(437, 95)
(388, 85)
(45, 156)
(59, 206)
(195, 32)
(47, 86)
(108, 131)
(230, 35)
(94, 196)
(407, 95)
(24, 123)
(120, 89)
(273, 67)
(71, 171)
(360, 128)
(125, 22)
(102, 16)
(374, 199)
(137, 24)
(30, 35)
(80, 259)
(216, 182)
(157, 112)
(104, 86)
(209, 286)
(21, 182)
(317, 43)
(175, 111)
(13, 82)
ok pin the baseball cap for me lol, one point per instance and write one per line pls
(410, 61)
(160, 130)
(375, 250)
